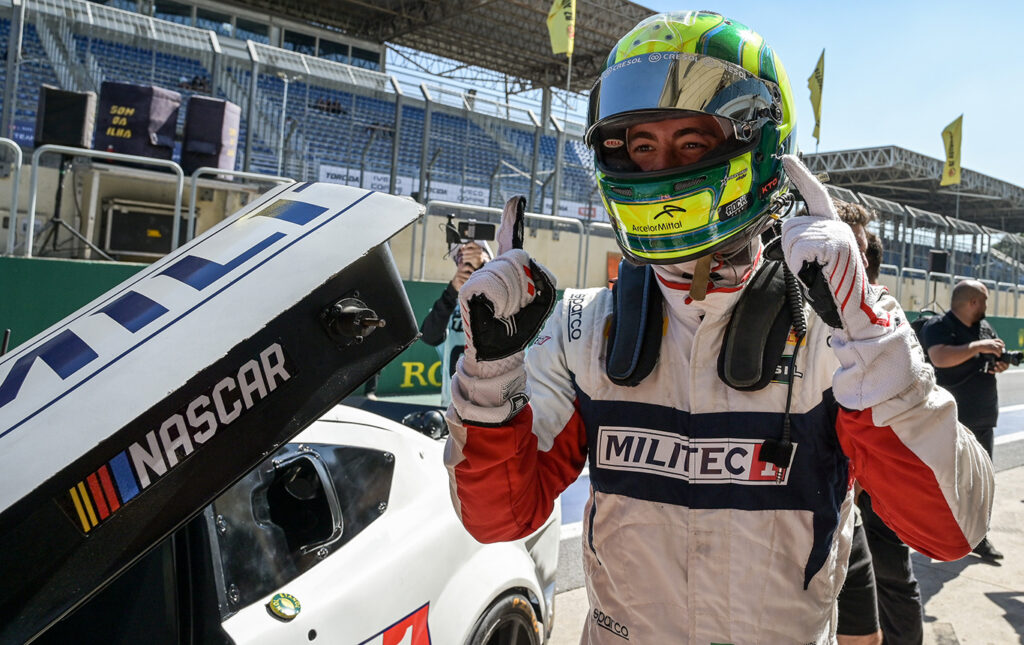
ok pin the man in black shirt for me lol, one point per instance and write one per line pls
(965, 351)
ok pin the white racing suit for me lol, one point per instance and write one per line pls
(687, 537)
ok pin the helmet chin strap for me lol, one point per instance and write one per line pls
(701, 275)
(729, 267)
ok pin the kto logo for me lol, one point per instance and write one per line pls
(769, 186)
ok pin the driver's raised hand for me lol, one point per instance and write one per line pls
(504, 304)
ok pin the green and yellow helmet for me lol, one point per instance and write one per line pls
(699, 67)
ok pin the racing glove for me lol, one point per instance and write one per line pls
(879, 355)
(504, 305)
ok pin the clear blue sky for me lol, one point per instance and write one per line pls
(898, 72)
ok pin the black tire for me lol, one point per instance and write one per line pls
(510, 620)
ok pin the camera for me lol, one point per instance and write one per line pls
(1013, 358)
(1010, 358)
(467, 231)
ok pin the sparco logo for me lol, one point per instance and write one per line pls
(605, 621)
(575, 317)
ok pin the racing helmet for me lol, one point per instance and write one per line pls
(724, 87)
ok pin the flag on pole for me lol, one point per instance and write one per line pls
(562, 26)
(951, 141)
(815, 83)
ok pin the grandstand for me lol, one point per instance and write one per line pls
(422, 98)
(337, 118)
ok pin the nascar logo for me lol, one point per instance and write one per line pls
(131, 471)
(698, 461)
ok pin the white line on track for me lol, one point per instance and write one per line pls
(1007, 438)
(571, 531)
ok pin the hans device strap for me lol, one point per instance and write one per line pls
(634, 337)
(756, 335)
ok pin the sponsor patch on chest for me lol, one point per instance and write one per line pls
(698, 461)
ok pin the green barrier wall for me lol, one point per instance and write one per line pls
(37, 292)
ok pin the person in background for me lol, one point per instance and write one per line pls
(858, 600)
(898, 612)
(967, 355)
(719, 512)
(442, 327)
(873, 255)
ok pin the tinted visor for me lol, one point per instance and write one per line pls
(679, 81)
(698, 140)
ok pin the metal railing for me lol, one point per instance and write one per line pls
(586, 254)
(496, 212)
(207, 170)
(113, 156)
(15, 184)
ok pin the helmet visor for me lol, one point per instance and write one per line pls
(679, 81)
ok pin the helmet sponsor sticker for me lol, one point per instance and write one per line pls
(736, 206)
(698, 461)
(660, 227)
(614, 143)
(769, 186)
(617, 66)
(671, 210)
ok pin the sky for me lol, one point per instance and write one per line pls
(898, 72)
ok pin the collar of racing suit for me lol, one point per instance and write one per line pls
(724, 287)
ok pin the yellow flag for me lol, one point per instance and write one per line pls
(562, 26)
(815, 83)
(951, 141)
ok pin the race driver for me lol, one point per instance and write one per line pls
(720, 509)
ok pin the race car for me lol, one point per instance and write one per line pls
(344, 535)
(154, 484)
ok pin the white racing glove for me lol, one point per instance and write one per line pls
(820, 248)
(871, 336)
(504, 305)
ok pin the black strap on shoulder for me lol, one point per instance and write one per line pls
(634, 337)
(756, 335)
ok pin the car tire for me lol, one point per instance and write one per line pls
(510, 620)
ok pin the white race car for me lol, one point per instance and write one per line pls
(344, 535)
(172, 468)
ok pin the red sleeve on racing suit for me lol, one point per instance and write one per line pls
(904, 490)
(505, 485)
